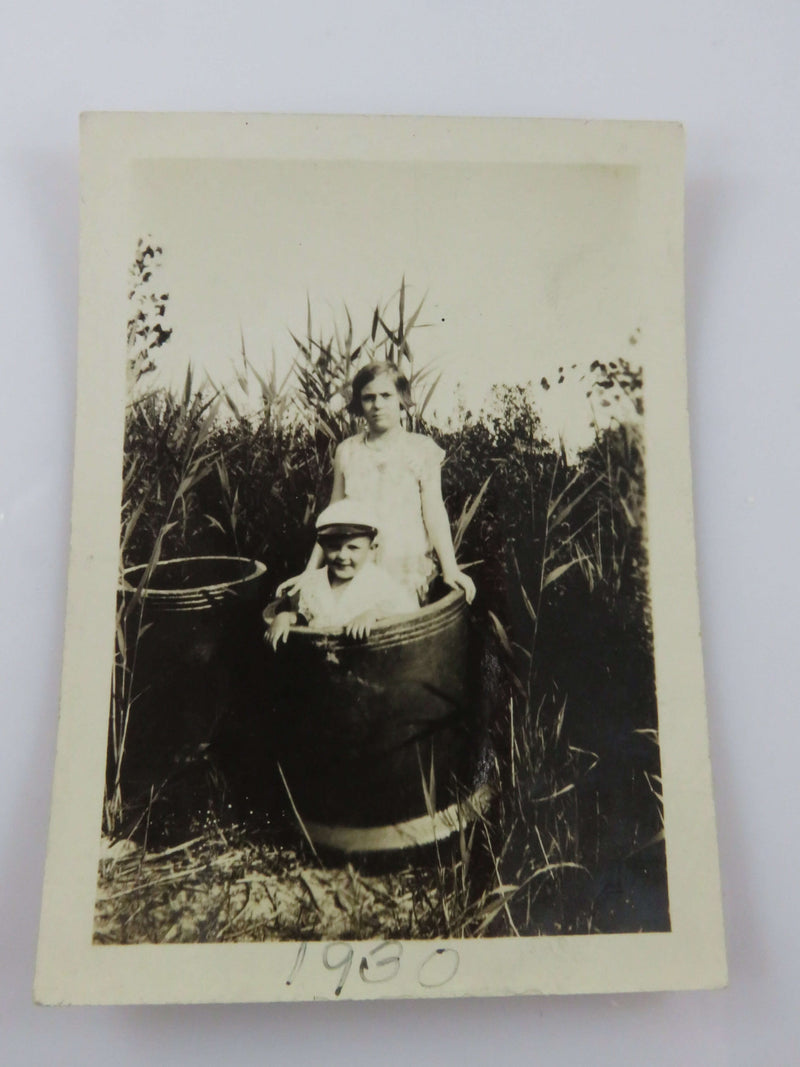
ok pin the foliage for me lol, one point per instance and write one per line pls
(166, 458)
(325, 367)
(146, 326)
(558, 550)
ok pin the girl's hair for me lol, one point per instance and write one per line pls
(376, 370)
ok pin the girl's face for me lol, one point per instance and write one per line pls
(380, 403)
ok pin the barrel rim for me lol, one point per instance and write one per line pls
(258, 569)
(453, 600)
(418, 831)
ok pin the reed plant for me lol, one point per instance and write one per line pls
(166, 457)
(559, 552)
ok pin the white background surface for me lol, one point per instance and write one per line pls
(729, 71)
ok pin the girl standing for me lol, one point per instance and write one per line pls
(399, 474)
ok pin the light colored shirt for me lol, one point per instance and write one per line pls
(371, 589)
(391, 480)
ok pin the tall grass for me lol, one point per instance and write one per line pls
(166, 458)
(558, 551)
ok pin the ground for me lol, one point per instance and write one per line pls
(223, 887)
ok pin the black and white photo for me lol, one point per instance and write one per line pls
(382, 652)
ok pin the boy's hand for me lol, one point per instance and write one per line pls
(279, 628)
(361, 626)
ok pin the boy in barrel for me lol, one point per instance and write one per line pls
(349, 591)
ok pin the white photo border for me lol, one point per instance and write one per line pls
(70, 968)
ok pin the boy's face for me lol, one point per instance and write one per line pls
(345, 556)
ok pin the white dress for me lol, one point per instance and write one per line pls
(390, 480)
(370, 589)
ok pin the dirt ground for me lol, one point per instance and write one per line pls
(220, 887)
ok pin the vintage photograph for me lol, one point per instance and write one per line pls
(384, 662)
(382, 642)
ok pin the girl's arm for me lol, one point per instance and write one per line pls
(293, 585)
(337, 492)
(437, 523)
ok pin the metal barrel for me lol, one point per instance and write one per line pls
(189, 676)
(377, 739)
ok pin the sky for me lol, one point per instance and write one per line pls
(523, 268)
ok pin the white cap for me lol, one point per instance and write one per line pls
(352, 515)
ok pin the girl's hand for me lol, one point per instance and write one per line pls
(361, 626)
(279, 628)
(291, 585)
(458, 580)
